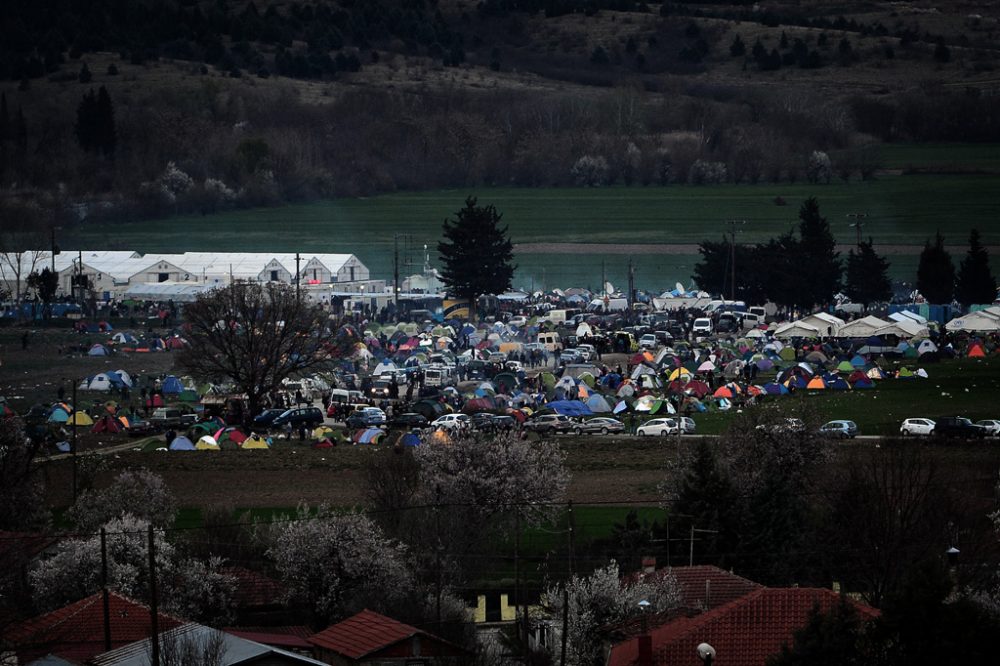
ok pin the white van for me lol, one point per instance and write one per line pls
(551, 341)
(439, 376)
(702, 326)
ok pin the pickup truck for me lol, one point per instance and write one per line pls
(171, 417)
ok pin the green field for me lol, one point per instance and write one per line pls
(903, 210)
(943, 157)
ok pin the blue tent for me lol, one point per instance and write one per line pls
(858, 361)
(838, 384)
(569, 408)
(597, 404)
(410, 439)
(181, 443)
(172, 386)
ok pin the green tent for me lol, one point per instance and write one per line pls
(548, 380)
(845, 366)
(787, 354)
(904, 372)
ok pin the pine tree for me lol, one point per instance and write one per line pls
(476, 253)
(936, 272)
(105, 122)
(976, 282)
(4, 118)
(707, 500)
(86, 113)
(867, 276)
(737, 48)
(821, 262)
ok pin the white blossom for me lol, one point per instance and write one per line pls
(603, 599)
(820, 168)
(140, 493)
(590, 171)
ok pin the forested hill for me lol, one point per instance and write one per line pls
(154, 107)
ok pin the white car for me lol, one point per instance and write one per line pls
(658, 428)
(992, 427)
(648, 341)
(702, 326)
(687, 425)
(917, 427)
(453, 422)
(518, 321)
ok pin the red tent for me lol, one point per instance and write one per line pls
(107, 423)
(976, 351)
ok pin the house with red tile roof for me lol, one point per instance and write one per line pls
(744, 632)
(705, 587)
(368, 637)
(75, 632)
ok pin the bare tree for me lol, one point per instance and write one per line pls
(255, 335)
(190, 645)
(22, 238)
(22, 504)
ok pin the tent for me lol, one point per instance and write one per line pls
(816, 383)
(569, 408)
(207, 443)
(976, 351)
(59, 413)
(845, 366)
(368, 436)
(107, 423)
(409, 439)
(255, 441)
(230, 434)
(172, 386)
(98, 350)
(182, 443)
(80, 419)
(597, 404)
(926, 347)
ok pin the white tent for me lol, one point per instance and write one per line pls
(825, 323)
(796, 329)
(99, 382)
(861, 328)
(983, 321)
(903, 329)
(904, 315)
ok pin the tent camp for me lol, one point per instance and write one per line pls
(795, 329)
(983, 321)
(181, 443)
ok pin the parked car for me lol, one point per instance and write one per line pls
(687, 425)
(648, 341)
(602, 424)
(992, 426)
(140, 428)
(299, 416)
(519, 321)
(549, 423)
(840, 428)
(366, 417)
(172, 417)
(409, 420)
(453, 422)
(957, 426)
(659, 428)
(916, 427)
(266, 417)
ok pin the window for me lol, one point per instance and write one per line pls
(274, 276)
(352, 273)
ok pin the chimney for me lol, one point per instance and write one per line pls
(645, 650)
(648, 564)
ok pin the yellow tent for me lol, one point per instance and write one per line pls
(322, 432)
(680, 372)
(255, 442)
(80, 419)
(207, 443)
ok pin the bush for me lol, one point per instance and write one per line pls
(703, 172)
(590, 171)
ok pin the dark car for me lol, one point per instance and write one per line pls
(549, 423)
(841, 429)
(140, 429)
(299, 416)
(483, 421)
(958, 426)
(267, 417)
(411, 420)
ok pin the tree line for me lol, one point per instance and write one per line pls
(802, 269)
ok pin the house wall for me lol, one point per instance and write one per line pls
(360, 271)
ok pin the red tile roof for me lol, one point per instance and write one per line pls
(744, 632)
(708, 587)
(362, 634)
(368, 633)
(76, 632)
(254, 589)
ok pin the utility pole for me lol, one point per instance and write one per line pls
(631, 287)
(104, 585)
(298, 277)
(858, 223)
(732, 257)
(54, 249)
(565, 608)
(395, 277)
(153, 612)
(699, 531)
(75, 426)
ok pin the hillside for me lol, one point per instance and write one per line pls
(219, 104)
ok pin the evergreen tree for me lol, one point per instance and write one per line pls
(95, 123)
(476, 253)
(707, 500)
(867, 276)
(85, 76)
(976, 282)
(4, 118)
(936, 272)
(820, 277)
(86, 112)
(106, 122)
(833, 638)
(737, 48)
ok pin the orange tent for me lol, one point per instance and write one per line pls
(816, 383)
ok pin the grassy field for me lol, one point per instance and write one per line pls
(904, 210)
(942, 157)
